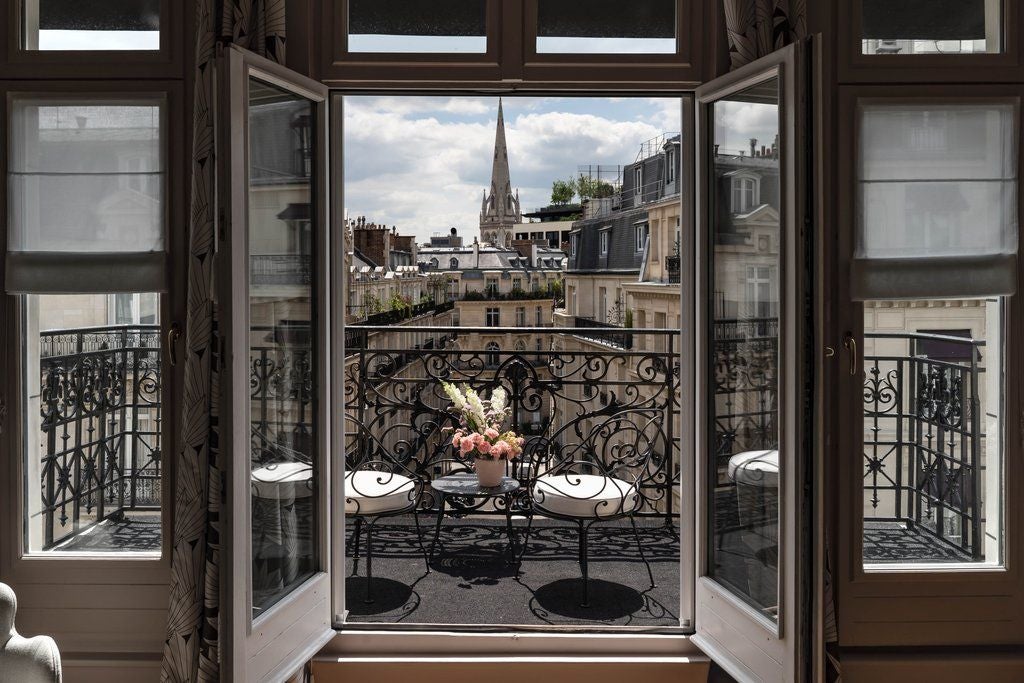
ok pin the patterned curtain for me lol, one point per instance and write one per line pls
(192, 645)
(756, 28)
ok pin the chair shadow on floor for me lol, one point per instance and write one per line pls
(388, 596)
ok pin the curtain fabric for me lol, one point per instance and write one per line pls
(192, 645)
(756, 28)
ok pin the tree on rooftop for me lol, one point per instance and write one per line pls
(562, 192)
(593, 188)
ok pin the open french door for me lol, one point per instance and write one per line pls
(273, 270)
(751, 395)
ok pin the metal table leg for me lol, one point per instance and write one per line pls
(437, 525)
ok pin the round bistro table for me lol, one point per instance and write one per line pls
(466, 485)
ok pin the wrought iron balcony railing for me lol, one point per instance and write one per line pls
(924, 446)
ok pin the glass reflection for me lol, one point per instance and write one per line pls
(745, 273)
(282, 360)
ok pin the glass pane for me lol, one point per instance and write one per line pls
(933, 421)
(606, 27)
(76, 25)
(910, 27)
(93, 419)
(281, 343)
(745, 239)
(417, 26)
(937, 180)
(86, 175)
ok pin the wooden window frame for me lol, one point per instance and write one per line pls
(921, 605)
(511, 60)
(855, 67)
(166, 63)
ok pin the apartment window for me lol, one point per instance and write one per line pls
(404, 26)
(520, 316)
(111, 25)
(493, 317)
(760, 296)
(517, 283)
(491, 286)
(574, 243)
(935, 27)
(745, 193)
(602, 304)
(540, 316)
(453, 264)
(638, 181)
(640, 236)
(493, 357)
(433, 264)
(603, 237)
(671, 165)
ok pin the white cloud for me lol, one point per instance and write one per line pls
(422, 163)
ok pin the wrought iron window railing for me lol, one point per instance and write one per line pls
(100, 421)
(924, 441)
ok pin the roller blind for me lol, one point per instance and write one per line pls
(86, 195)
(937, 200)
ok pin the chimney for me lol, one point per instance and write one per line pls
(522, 247)
(753, 147)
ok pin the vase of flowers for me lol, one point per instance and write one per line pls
(479, 436)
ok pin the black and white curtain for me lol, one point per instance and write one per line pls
(756, 28)
(192, 645)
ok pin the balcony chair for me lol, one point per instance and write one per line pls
(378, 485)
(756, 475)
(598, 479)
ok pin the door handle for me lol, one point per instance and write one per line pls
(850, 344)
(173, 335)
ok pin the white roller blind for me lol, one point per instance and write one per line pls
(86, 191)
(937, 200)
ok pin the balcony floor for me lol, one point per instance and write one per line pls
(896, 542)
(135, 532)
(472, 580)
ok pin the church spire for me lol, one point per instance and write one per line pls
(500, 210)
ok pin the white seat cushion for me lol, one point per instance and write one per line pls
(585, 495)
(755, 468)
(283, 481)
(368, 492)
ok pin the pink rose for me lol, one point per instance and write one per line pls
(500, 450)
(484, 447)
(466, 446)
(492, 433)
(457, 440)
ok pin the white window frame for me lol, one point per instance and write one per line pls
(604, 237)
(492, 313)
(641, 231)
(520, 316)
(745, 192)
(638, 180)
(673, 641)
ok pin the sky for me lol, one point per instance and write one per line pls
(422, 163)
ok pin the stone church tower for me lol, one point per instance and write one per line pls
(500, 210)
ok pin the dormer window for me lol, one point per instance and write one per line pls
(638, 181)
(604, 239)
(433, 264)
(671, 164)
(746, 193)
(454, 264)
